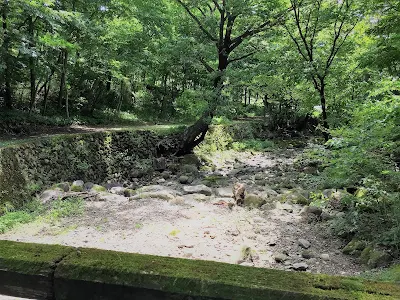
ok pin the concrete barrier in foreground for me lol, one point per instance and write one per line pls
(57, 272)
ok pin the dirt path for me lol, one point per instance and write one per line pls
(193, 226)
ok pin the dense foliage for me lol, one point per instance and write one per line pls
(293, 63)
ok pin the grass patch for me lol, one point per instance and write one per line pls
(73, 206)
(253, 145)
(12, 219)
(33, 210)
(391, 274)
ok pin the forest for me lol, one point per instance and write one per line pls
(325, 68)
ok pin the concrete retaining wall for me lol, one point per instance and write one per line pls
(56, 272)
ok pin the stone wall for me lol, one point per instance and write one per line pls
(95, 157)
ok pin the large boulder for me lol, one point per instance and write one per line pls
(157, 188)
(189, 170)
(51, 195)
(253, 200)
(161, 195)
(191, 159)
(77, 186)
(64, 186)
(197, 189)
(118, 190)
(374, 258)
(159, 164)
(354, 247)
(224, 192)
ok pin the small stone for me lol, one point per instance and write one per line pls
(246, 264)
(326, 216)
(304, 243)
(324, 256)
(280, 257)
(314, 210)
(300, 267)
(307, 254)
(160, 180)
(88, 186)
(166, 175)
(259, 176)
(258, 220)
(118, 191)
(184, 179)
(287, 207)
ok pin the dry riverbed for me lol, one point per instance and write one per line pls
(178, 216)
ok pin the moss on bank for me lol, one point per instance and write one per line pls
(185, 277)
(212, 279)
(31, 259)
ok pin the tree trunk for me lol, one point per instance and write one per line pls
(46, 95)
(248, 102)
(325, 125)
(196, 133)
(7, 72)
(64, 56)
(32, 65)
(265, 105)
(245, 96)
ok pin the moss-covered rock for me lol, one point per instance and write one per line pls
(98, 188)
(354, 247)
(63, 185)
(374, 258)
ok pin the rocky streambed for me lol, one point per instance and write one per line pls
(187, 211)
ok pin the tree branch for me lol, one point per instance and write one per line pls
(206, 65)
(220, 9)
(264, 26)
(201, 26)
(242, 57)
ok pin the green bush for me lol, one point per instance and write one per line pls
(254, 145)
(191, 104)
(365, 156)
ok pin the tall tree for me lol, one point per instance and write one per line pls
(227, 24)
(319, 29)
(6, 55)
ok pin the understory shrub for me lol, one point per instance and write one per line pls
(365, 160)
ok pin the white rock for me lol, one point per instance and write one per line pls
(304, 243)
(197, 189)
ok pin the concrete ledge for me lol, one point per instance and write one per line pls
(27, 270)
(98, 274)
